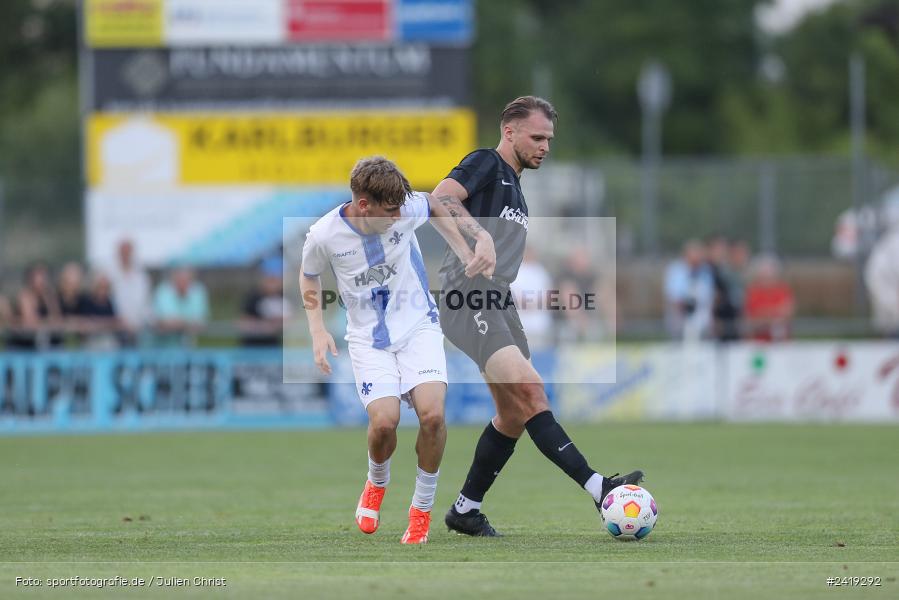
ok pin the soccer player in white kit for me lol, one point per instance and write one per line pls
(393, 331)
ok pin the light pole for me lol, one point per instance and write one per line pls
(859, 173)
(654, 92)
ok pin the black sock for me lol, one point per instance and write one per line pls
(555, 445)
(490, 456)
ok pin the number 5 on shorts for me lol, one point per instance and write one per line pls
(482, 324)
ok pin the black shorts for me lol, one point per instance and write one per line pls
(479, 317)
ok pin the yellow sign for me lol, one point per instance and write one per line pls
(123, 22)
(273, 148)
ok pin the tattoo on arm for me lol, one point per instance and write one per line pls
(464, 220)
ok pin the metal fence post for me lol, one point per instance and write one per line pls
(2, 232)
(859, 168)
(767, 209)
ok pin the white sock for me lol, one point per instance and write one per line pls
(379, 473)
(463, 505)
(425, 489)
(594, 486)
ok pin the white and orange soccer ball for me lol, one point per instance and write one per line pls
(629, 512)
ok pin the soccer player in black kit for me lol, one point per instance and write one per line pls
(486, 182)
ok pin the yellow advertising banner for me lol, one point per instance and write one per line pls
(272, 148)
(123, 22)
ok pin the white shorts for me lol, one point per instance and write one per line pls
(417, 359)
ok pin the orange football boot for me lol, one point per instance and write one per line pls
(419, 525)
(369, 507)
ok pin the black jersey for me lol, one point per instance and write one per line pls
(495, 200)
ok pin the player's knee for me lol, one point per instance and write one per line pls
(384, 424)
(432, 422)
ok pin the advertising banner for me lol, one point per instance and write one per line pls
(179, 23)
(820, 381)
(228, 22)
(435, 21)
(117, 23)
(318, 148)
(139, 390)
(651, 382)
(225, 78)
(343, 20)
(244, 388)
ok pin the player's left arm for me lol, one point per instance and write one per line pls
(455, 223)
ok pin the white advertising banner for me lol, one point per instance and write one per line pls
(816, 381)
(651, 382)
(210, 22)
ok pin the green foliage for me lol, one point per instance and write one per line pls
(40, 155)
(39, 124)
(722, 103)
(37, 44)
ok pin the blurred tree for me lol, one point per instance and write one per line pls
(39, 150)
(595, 50)
(735, 89)
(37, 43)
(808, 110)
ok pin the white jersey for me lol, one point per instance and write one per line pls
(381, 277)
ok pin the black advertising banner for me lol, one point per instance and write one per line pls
(342, 75)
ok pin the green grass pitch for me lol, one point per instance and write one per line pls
(746, 511)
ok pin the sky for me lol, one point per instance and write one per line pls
(782, 15)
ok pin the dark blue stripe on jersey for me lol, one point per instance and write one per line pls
(374, 250)
(418, 264)
(380, 297)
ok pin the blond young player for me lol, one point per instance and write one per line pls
(393, 331)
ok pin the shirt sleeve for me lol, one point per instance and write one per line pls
(476, 171)
(674, 283)
(416, 208)
(315, 256)
(250, 304)
(163, 307)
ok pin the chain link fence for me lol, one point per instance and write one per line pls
(786, 206)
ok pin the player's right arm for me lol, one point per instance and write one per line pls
(322, 341)
(446, 204)
(315, 258)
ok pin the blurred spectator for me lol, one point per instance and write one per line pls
(578, 278)
(769, 301)
(130, 292)
(102, 323)
(99, 302)
(739, 257)
(689, 293)
(73, 301)
(5, 312)
(36, 312)
(882, 280)
(265, 308)
(726, 305)
(180, 307)
(530, 290)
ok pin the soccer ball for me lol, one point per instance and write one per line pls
(629, 512)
